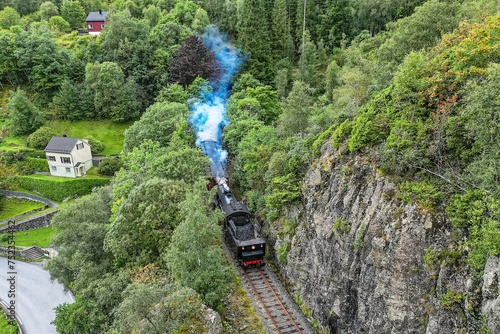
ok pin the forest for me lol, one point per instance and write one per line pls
(414, 86)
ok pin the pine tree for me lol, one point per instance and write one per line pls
(253, 31)
(279, 29)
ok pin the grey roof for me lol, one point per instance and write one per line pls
(61, 144)
(96, 17)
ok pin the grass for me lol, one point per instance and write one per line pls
(9, 143)
(10, 207)
(62, 178)
(6, 327)
(106, 131)
(40, 237)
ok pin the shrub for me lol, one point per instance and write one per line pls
(431, 258)
(360, 234)
(40, 138)
(95, 145)
(316, 146)
(39, 165)
(109, 165)
(341, 226)
(423, 193)
(283, 252)
(451, 298)
(57, 189)
(343, 131)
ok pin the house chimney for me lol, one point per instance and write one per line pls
(100, 12)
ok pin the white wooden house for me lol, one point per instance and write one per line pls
(67, 156)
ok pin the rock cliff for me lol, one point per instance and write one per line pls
(355, 260)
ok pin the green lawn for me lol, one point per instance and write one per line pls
(40, 237)
(10, 207)
(106, 131)
(6, 327)
(10, 142)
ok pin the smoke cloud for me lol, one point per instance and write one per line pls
(210, 116)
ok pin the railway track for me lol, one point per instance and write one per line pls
(270, 300)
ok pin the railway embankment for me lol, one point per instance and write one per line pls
(359, 260)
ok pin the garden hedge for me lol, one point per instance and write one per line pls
(57, 189)
(40, 165)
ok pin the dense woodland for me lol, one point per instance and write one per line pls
(412, 85)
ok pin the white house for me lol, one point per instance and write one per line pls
(67, 156)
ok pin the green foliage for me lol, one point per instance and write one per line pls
(360, 234)
(96, 146)
(254, 35)
(431, 259)
(114, 98)
(161, 308)
(81, 226)
(341, 226)
(39, 165)
(283, 190)
(143, 223)
(40, 138)
(297, 108)
(341, 133)
(368, 129)
(47, 10)
(173, 93)
(318, 142)
(109, 166)
(25, 118)
(451, 298)
(283, 251)
(157, 123)
(152, 14)
(75, 101)
(57, 23)
(73, 13)
(57, 188)
(199, 267)
(425, 193)
(8, 18)
(461, 208)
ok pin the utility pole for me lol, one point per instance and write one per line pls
(304, 29)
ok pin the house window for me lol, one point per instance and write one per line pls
(91, 26)
(68, 169)
(102, 26)
(79, 146)
(52, 158)
(54, 168)
(65, 160)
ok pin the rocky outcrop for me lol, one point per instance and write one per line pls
(356, 258)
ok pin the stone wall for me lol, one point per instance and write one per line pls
(372, 277)
(31, 223)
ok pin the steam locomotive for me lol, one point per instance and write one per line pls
(243, 237)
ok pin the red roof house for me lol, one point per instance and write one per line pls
(96, 22)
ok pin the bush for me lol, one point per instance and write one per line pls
(39, 165)
(40, 138)
(95, 145)
(423, 193)
(57, 189)
(341, 226)
(109, 165)
(316, 146)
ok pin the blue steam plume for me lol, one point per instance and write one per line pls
(210, 116)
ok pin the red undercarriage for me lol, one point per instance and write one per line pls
(248, 263)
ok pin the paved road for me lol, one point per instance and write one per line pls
(36, 296)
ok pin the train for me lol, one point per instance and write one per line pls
(240, 231)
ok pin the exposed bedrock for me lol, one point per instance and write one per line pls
(368, 275)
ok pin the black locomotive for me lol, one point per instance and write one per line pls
(241, 233)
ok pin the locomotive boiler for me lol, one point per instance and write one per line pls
(244, 239)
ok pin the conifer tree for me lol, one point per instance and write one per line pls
(279, 29)
(253, 31)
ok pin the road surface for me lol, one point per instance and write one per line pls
(35, 295)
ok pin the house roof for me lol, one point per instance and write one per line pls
(61, 144)
(96, 16)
